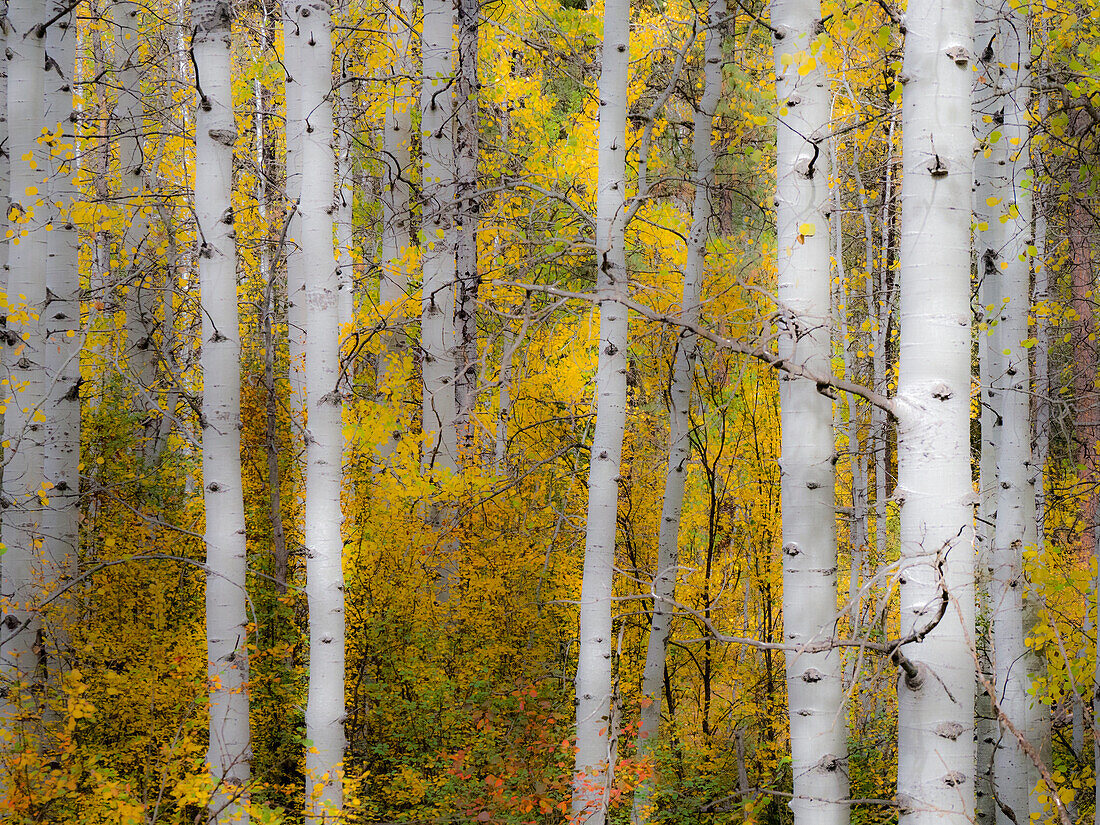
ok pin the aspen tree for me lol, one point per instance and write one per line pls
(857, 530)
(267, 271)
(510, 343)
(466, 215)
(135, 241)
(345, 226)
(815, 687)
(437, 255)
(1042, 321)
(345, 194)
(312, 29)
(1043, 402)
(295, 261)
(936, 760)
(1015, 773)
(988, 197)
(230, 752)
(396, 236)
(593, 765)
(878, 297)
(61, 460)
(24, 423)
(883, 296)
(5, 207)
(679, 443)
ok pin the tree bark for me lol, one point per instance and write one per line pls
(137, 252)
(679, 442)
(1014, 772)
(467, 278)
(268, 276)
(61, 459)
(396, 236)
(324, 434)
(230, 754)
(25, 496)
(296, 264)
(593, 765)
(815, 686)
(1081, 229)
(936, 759)
(437, 256)
(988, 197)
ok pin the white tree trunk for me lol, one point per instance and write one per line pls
(345, 229)
(988, 194)
(61, 460)
(876, 341)
(230, 751)
(137, 251)
(324, 433)
(679, 442)
(882, 300)
(815, 687)
(5, 208)
(511, 342)
(1042, 327)
(438, 251)
(1013, 612)
(396, 238)
(296, 264)
(594, 765)
(25, 416)
(936, 757)
(857, 530)
(467, 278)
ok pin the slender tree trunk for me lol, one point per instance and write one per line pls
(172, 266)
(467, 278)
(438, 252)
(1081, 230)
(5, 207)
(857, 530)
(504, 400)
(870, 458)
(268, 275)
(296, 263)
(61, 459)
(679, 442)
(1014, 772)
(936, 759)
(230, 750)
(881, 305)
(1042, 405)
(345, 226)
(593, 768)
(324, 434)
(1022, 477)
(26, 414)
(1077, 711)
(136, 249)
(1042, 327)
(512, 342)
(988, 197)
(396, 238)
(815, 686)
